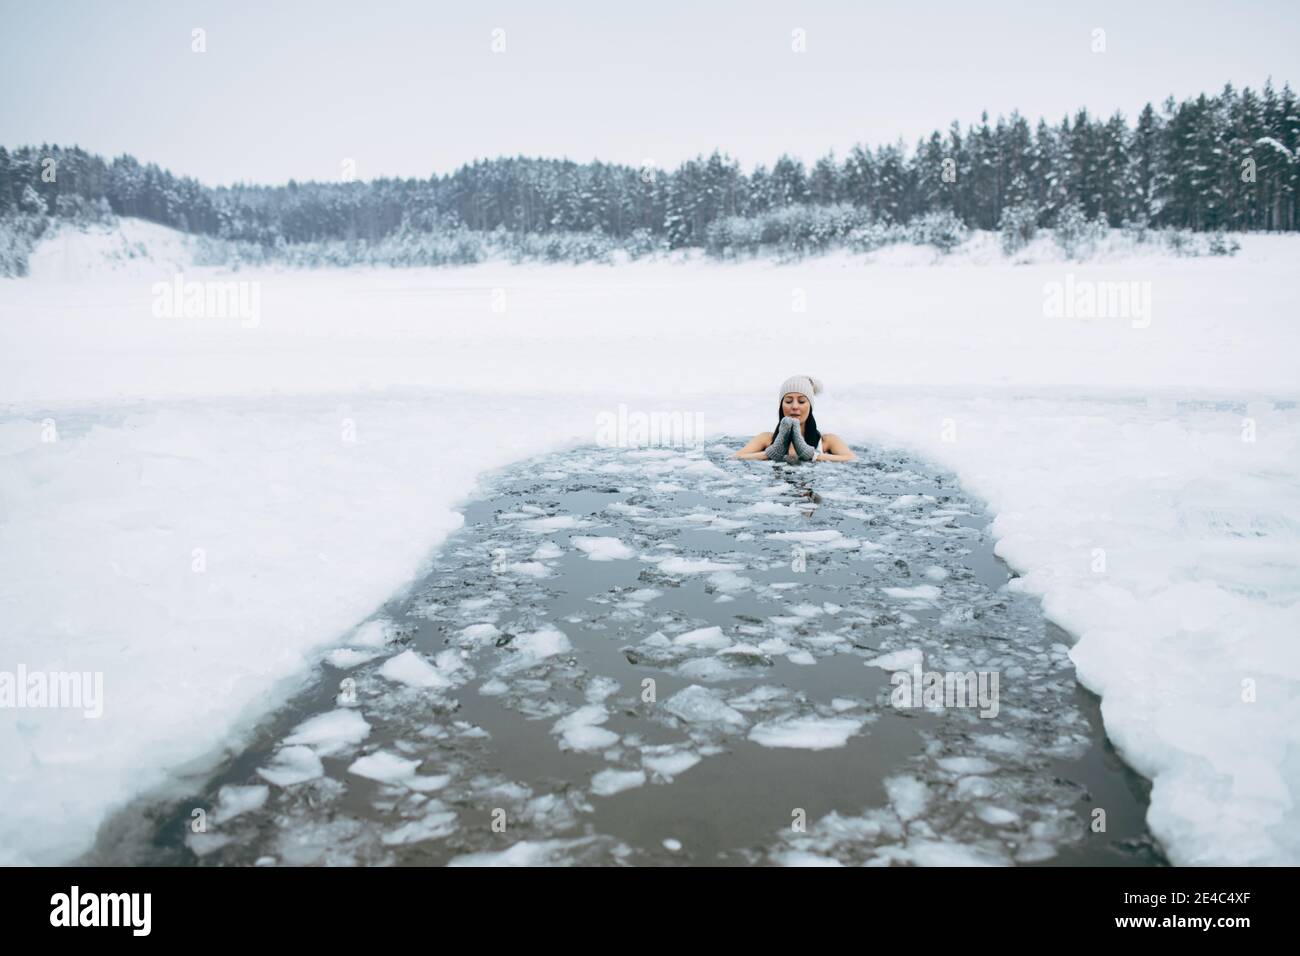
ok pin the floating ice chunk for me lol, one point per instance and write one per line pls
(581, 729)
(493, 688)
(805, 610)
(974, 788)
(672, 845)
(371, 634)
(667, 487)
(554, 523)
(413, 670)
(538, 645)
(800, 657)
(550, 810)
(841, 704)
(908, 796)
(898, 660)
(810, 537)
(908, 501)
(546, 551)
(966, 765)
(480, 633)
(529, 569)
(957, 615)
(524, 853)
(946, 853)
(424, 784)
(923, 592)
(730, 581)
(201, 844)
(464, 728)
(699, 705)
(785, 620)
(936, 573)
(234, 800)
(842, 544)
(1001, 743)
(761, 697)
(830, 608)
(331, 732)
(450, 661)
(669, 764)
(599, 688)
(706, 637)
(678, 565)
(717, 522)
(609, 782)
(643, 595)
(806, 733)
(704, 467)
(706, 669)
(769, 508)
(345, 657)
(384, 766)
(996, 815)
(823, 640)
(438, 822)
(475, 604)
(292, 765)
(774, 645)
(603, 549)
(803, 858)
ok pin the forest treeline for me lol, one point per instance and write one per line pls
(1212, 163)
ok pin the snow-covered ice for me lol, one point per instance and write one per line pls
(202, 511)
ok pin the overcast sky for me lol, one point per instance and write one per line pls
(290, 90)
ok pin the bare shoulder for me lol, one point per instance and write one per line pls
(834, 443)
(756, 444)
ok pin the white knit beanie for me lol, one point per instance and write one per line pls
(803, 384)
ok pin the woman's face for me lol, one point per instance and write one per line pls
(795, 404)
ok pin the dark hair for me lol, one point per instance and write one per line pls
(811, 434)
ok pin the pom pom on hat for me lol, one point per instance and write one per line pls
(803, 384)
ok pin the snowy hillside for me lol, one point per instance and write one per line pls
(200, 506)
(130, 248)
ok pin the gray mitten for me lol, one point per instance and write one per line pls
(780, 446)
(805, 451)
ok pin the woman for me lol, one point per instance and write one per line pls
(796, 435)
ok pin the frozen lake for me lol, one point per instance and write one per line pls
(656, 657)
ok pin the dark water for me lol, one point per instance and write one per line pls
(564, 721)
